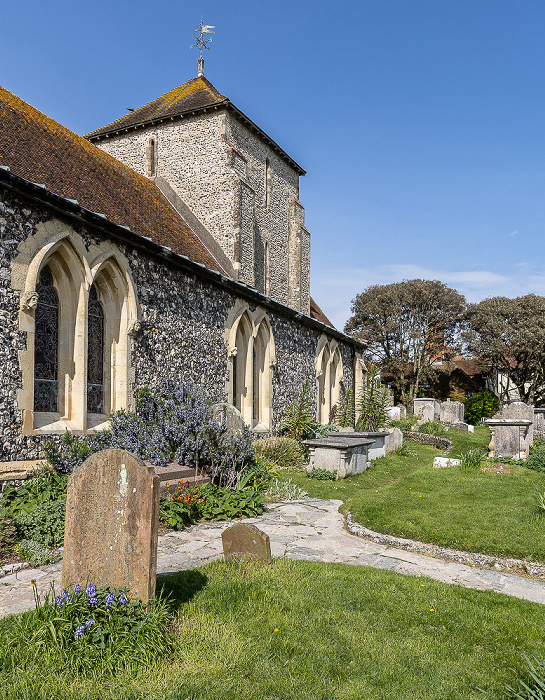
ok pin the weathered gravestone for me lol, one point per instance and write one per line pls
(112, 512)
(452, 411)
(228, 415)
(242, 541)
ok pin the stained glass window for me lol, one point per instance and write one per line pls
(95, 354)
(46, 345)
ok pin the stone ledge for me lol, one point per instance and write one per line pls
(19, 469)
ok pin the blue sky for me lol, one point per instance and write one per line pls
(421, 123)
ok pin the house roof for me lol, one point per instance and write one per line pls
(194, 96)
(41, 150)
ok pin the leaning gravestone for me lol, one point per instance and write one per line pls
(242, 541)
(228, 415)
(112, 512)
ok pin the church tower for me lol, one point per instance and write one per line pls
(231, 183)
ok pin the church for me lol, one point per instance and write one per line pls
(169, 245)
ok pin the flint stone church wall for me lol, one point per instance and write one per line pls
(181, 338)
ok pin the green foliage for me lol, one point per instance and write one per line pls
(321, 475)
(258, 473)
(536, 460)
(94, 630)
(44, 524)
(8, 531)
(539, 444)
(472, 458)
(226, 504)
(285, 490)
(35, 553)
(431, 428)
(299, 417)
(187, 503)
(404, 451)
(481, 405)
(284, 452)
(404, 424)
(373, 401)
(532, 688)
(345, 413)
(540, 495)
(40, 487)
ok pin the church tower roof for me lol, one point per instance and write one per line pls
(195, 96)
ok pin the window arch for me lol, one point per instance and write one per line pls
(251, 351)
(329, 376)
(46, 346)
(78, 306)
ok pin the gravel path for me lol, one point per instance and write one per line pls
(313, 530)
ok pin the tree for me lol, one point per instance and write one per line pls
(510, 334)
(406, 325)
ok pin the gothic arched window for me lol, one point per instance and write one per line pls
(95, 354)
(46, 345)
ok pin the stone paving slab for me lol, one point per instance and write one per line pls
(311, 530)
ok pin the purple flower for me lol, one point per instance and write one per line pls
(79, 632)
(77, 589)
(122, 599)
(59, 601)
(110, 598)
(89, 623)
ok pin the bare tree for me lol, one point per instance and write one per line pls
(406, 325)
(510, 334)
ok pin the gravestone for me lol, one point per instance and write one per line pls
(241, 541)
(110, 535)
(509, 437)
(459, 425)
(452, 411)
(228, 415)
(520, 410)
(428, 409)
(396, 413)
(394, 440)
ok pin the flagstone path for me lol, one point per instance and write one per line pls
(313, 530)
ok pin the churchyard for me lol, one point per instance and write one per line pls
(243, 628)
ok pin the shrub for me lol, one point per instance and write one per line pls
(286, 490)
(322, 474)
(44, 524)
(35, 553)
(299, 417)
(283, 452)
(536, 460)
(373, 402)
(481, 405)
(92, 630)
(471, 459)
(431, 428)
(174, 426)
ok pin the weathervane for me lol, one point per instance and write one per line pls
(201, 43)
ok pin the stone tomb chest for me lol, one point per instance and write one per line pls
(510, 437)
(341, 455)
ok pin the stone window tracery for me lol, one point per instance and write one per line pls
(251, 349)
(329, 377)
(78, 306)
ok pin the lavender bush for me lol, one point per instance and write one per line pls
(175, 426)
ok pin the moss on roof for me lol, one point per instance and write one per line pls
(195, 94)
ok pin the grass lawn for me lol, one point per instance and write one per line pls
(466, 509)
(297, 630)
